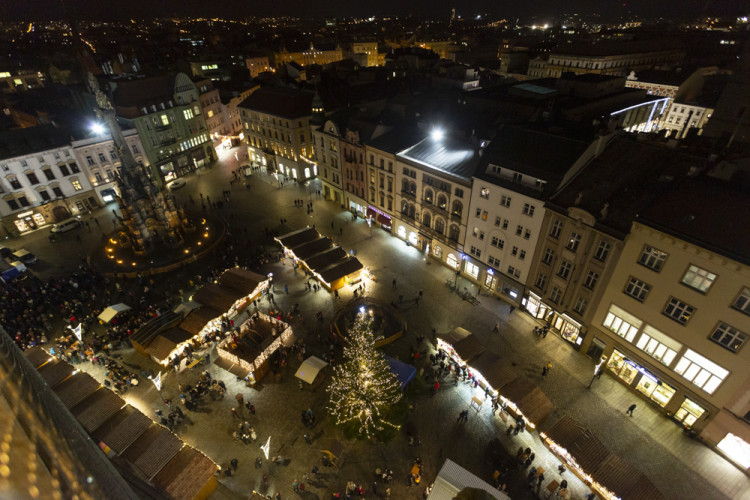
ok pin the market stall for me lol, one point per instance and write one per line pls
(611, 477)
(259, 337)
(110, 312)
(524, 398)
(310, 369)
(461, 345)
(329, 264)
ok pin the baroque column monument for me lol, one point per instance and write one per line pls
(149, 215)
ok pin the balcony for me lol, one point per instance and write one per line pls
(168, 142)
(456, 217)
(409, 194)
(162, 128)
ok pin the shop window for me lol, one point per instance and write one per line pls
(625, 370)
(655, 390)
(742, 302)
(736, 448)
(637, 289)
(452, 261)
(698, 279)
(728, 337)
(689, 412)
(402, 232)
(701, 371)
(653, 258)
(472, 270)
(678, 310)
(622, 323)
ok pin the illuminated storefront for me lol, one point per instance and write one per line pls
(535, 306)
(645, 382)
(29, 220)
(689, 412)
(569, 329)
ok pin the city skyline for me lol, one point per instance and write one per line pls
(609, 11)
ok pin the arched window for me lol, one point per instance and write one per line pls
(405, 186)
(439, 225)
(428, 196)
(413, 188)
(442, 202)
(453, 232)
(404, 208)
(412, 211)
(426, 219)
(457, 208)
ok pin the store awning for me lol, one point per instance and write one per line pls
(309, 369)
(112, 311)
(468, 348)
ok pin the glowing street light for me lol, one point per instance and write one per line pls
(97, 128)
(437, 134)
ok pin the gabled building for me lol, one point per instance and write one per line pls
(507, 204)
(585, 226)
(433, 179)
(167, 113)
(673, 321)
(213, 112)
(278, 132)
(41, 182)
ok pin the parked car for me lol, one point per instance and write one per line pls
(65, 226)
(25, 256)
(176, 184)
(5, 252)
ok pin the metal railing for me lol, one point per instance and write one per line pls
(80, 467)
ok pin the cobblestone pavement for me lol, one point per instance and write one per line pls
(679, 466)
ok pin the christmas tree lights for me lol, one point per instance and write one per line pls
(363, 387)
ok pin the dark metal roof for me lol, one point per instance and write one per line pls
(325, 259)
(97, 409)
(706, 212)
(152, 450)
(298, 237)
(626, 177)
(529, 398)
(449, 155)
(183, 477)
(468, 347)
(283, 102)
(37, 356)
(625, 481)
(397, 139)
(312, 248)
(241, 280)
(140, 91)
(587, 450)
(197, 319)
(55, 372)
(24, 141)
(341, 269)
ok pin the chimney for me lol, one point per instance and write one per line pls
(605, 210)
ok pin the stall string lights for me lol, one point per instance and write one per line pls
(363, 385)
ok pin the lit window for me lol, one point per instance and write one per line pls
(701, 371)
(652, 258)
(574, 241)
(485, 193)
(698, 278)
(164, 120)
(622, 323)
(76, 185)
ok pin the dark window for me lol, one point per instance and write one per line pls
(58, 192)
(13, 204)
(23, 201)
(45, 195)
(48, 174)
(32, 178)
(74, 167)
(64, 170)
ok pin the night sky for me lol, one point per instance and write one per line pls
(123, 9)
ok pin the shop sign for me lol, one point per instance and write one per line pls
(25, 214)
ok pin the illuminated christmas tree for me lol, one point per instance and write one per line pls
(363, 388)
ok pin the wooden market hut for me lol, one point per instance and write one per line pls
(116, 434)
(217, 297)
(528, 398)
(97, 409)
(298, 237)
(189, 475)
(243, 281)
(76, 388)
(152, 450)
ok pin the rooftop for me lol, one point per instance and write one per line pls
(24, 141)
(696, 210)
(283, 102)
(622, 181)
(397, 139)
(136, 92)
(613, 48)
(448, 154)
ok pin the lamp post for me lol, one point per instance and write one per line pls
(597, 371)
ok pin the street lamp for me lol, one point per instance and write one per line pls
(437, 134)
(97, 128)
(597, 371)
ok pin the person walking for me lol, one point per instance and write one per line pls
(631, 409)
(463, 416)
(394, 283)
(295, 485)
(240, 400)
(234, 413)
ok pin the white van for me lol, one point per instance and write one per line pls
(65, 226)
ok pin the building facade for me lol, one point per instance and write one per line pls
(167, 113)
(328, 157)
(323, 54)
(257, 65)
(213, 111)
(278, 132)
(608, 59)
(41, 180)
(101, 163)
(507, 205)
(433, 182)
(682, 117)
(675, 316)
